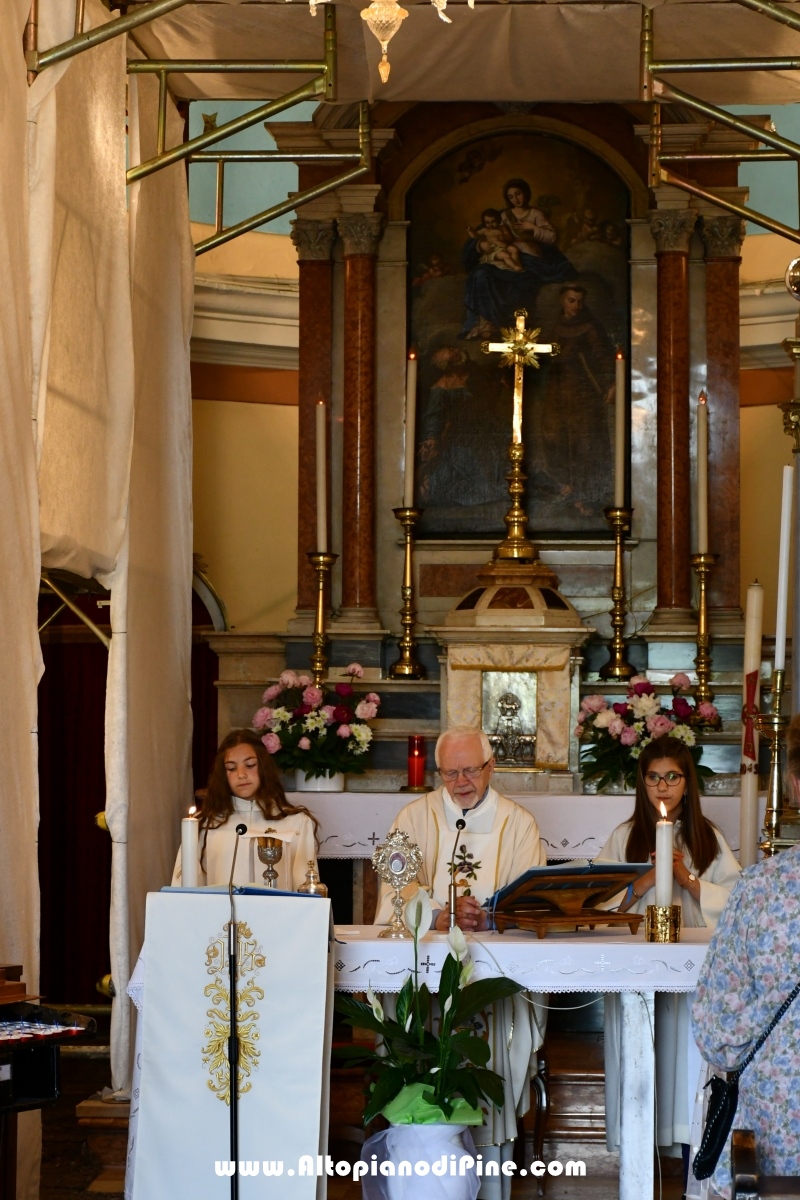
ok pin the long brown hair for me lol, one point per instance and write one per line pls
(696, 833)
(270, 797)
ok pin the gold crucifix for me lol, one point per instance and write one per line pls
(519, 350)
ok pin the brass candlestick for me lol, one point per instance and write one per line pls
(703, 565)
(773, 725)
(662, 923)
(516, 545)
(322, 562)
(618, 666)
(408, 666)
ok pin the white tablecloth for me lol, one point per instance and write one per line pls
(599, 961)
(353, 823)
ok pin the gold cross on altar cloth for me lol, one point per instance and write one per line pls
(519, 350)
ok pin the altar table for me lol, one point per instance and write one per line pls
(583, 962)
(352, 824)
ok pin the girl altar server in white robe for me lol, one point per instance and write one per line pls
(245, 789)
(499, 843)
(704, 873)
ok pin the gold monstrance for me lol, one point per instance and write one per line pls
(520, 350)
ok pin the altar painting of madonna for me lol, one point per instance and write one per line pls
(519, 220)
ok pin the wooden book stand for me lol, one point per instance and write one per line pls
(564, 901)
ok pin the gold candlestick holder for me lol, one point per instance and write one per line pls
(618, 666)
(516, 545)
(662, 923)
(408, 665)
(773, 726)
(703, 565)
(322, 562)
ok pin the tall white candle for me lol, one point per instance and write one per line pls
(783, 569)
(619, 430)
(322, 478)
(411, 429)
(748, 808)
(702, 474)
(664, 843)
(190, 841)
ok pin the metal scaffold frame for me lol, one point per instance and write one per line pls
(656, 91)
(322, 84)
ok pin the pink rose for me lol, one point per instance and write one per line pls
(680, 682)
(620, 709)
(593, 704)
(343, 689)
(355, 671)
(343, 731)
(304, 680)
(707, 711)
(681, 708)
(373, 698)
(659, 725)
(262, 718)
(304, 744)
(289, 679)
(628, 736)
(643, 688)
(272, 742)
(272, 691)
(312, 696)
(327, 711)
(366, 710)
(616, 727)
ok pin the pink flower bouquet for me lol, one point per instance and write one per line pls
(308, 730)
(614, 735)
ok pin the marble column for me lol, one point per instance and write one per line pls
(314, 242)
(360, 233)
(722, 238)
(672, 230)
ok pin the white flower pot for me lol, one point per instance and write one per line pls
(420, 1144)
(319, 783)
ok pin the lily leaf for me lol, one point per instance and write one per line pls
(476, 996)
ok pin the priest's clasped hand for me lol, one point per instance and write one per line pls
(469, 916)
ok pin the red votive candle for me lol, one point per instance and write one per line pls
(416, 760)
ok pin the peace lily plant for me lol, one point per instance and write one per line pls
(429, 1068)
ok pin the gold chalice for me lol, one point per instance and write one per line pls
(270, 852)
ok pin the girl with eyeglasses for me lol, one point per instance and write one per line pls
(704, 872)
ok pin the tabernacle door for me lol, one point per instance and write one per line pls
(284, 1021)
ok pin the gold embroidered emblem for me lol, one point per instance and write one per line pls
(250, 960)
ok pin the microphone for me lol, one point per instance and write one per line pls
(240, 829)
(452, 891)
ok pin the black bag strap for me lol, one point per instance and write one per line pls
(733, 1076)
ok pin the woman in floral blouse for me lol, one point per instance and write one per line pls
(753, 963)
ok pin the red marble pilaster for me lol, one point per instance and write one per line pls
(314, 241)
(672, 230)
(722, 237)
(360, 233)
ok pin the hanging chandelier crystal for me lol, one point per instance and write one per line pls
(384, 18)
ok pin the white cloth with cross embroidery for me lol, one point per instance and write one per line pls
(500, 842)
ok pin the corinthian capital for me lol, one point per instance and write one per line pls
(672, 229)
(313, 239)
(722, 236)
(360, 232)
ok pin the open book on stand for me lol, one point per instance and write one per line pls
(565, 897)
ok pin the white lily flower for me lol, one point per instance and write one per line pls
(466, 973)
(375, 1005)
(448, 1004)
(408, 1021)
(457, 944)
(418, 913)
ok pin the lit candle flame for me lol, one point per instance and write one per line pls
(702, 398)
(412, 354)
(663, 810)
(620, 354)
(193, 810)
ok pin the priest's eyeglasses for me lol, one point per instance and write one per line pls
(671, 779)
(467, 772)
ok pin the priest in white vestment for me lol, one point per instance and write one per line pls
(500, 841)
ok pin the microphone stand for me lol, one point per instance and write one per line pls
(233, 1039)
(452, 891)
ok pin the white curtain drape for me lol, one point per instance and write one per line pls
(19, 536)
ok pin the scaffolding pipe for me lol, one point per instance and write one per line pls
(739, 210)
(666, 91)
(37, 61)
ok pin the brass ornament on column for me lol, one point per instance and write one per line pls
(773, 725)
(408, 665)
(322, 563)
(703, 565)
(618, 666)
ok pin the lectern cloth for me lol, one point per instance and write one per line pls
(285, 988)
(216, 856)
(678, 1060)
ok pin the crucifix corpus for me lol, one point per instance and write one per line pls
(520, 350)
